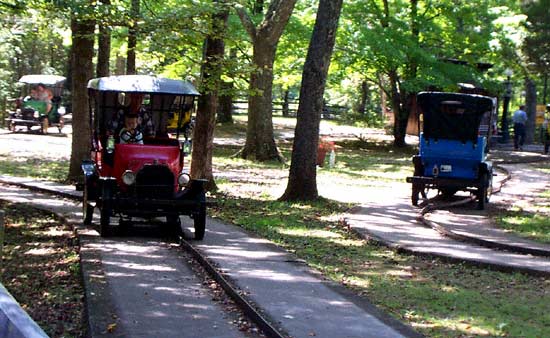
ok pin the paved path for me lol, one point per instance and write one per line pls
(394, 222)
(138, 286)
(141, 284)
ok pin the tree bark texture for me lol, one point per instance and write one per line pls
(225, 106)
(103, 47)
(260, 143)
(203, 134)
(132, 38)
(302, 180)
(530, 109)
(82, 66)
(363, 98)
(286, 103)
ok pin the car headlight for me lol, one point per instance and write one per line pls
(129, 177)
(36, 114)
(183, 179)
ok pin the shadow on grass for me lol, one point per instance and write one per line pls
(437, 298)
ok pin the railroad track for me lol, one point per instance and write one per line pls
(264, 325)
(435, 203)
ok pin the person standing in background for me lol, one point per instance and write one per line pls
(519, 119)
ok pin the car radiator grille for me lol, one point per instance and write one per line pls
(155, 181)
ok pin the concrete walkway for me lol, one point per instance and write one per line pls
(461, 234)
(129, 282)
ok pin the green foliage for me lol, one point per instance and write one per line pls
(537, 43)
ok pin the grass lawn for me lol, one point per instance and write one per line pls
(436, 298)
(533, 223)
(41, 269)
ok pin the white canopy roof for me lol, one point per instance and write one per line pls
(49, 80)
(142, 84)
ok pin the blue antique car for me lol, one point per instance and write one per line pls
(453, 146)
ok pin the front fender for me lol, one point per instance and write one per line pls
(194, 190)
(91, 178)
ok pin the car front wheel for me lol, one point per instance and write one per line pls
(199, 222)
(87, 208)
(106, 211)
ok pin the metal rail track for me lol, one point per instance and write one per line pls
(244, 305)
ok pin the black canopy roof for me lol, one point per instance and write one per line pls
(453, 116)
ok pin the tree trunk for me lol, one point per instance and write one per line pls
(545, 88)
(103, 47)
(286, 104)
(302, 180)
(82, 66)
(260, 143)
(364, 97)
(225, 106)
(403, 102)
(203, 134)
(132, 38)
(530, 109)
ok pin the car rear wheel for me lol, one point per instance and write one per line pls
(199, 222)
(417, 190)
(87, 208)
(483, 192)
(106, 211)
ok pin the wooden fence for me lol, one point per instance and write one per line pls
(330, 112)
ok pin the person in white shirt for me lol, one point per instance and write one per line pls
(520, 119)
(130, 134)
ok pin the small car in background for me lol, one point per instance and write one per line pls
(38, 109)
(148, 180)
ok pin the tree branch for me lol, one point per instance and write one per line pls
(246, 21)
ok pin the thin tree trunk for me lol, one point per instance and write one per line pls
(203, 134)
(302, 180)
(402, 104)
(363, 98)
(530, 109)
(286, 104)
(545, 88)
(132, 38)
(225, 108)
(82, 66)
(103, 47)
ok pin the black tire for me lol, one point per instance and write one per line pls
(418, 189)
(199, 222)
(106, 211)
(174, 225)
(87, 208)
(415, 193)
(482, 192)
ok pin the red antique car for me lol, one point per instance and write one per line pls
(143, 180)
